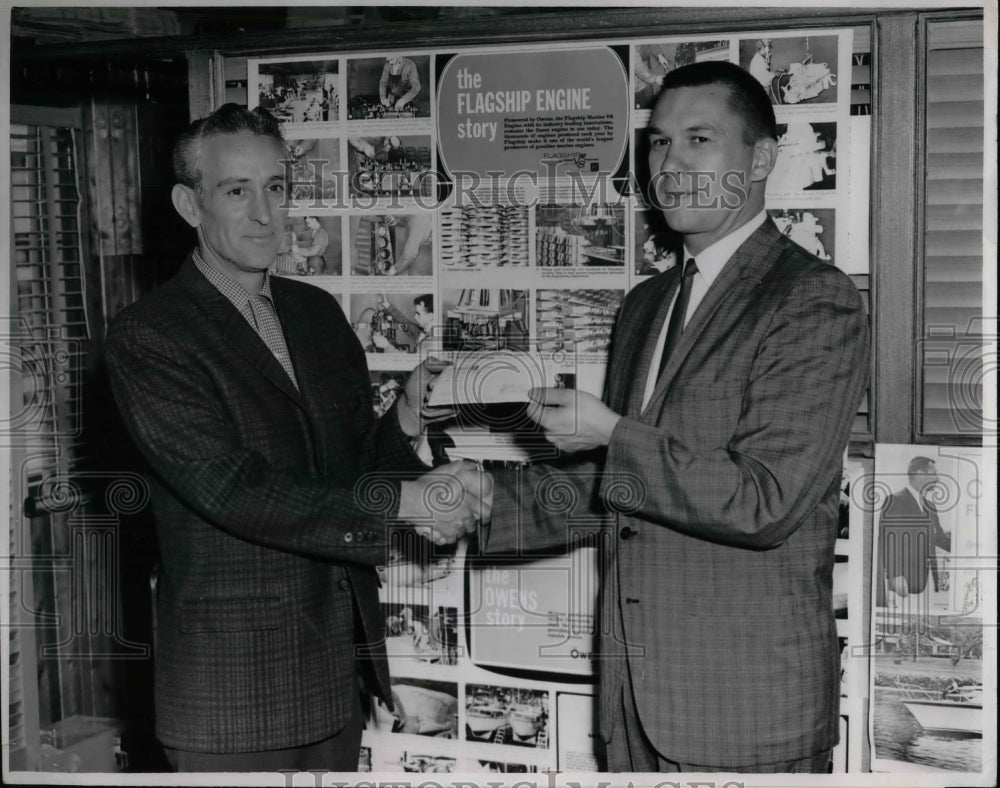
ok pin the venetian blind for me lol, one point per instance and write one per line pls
(49, 340)
(951, 350)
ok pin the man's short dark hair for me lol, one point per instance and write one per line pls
(426, 301)
(919, 465)
(227, 119)
(747, 96)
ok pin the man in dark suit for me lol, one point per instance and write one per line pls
(720, 466)
(910, 531)
(261, 443)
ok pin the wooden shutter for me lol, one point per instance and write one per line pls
(951, 350)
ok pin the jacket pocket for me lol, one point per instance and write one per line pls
(240, 614)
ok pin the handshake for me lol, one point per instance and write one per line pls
(448, 502)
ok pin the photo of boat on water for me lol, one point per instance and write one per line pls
(505, 715)
(927, 695)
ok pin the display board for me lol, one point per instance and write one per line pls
(492, 200)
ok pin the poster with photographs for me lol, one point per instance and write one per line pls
(928, 706)
(492, 201)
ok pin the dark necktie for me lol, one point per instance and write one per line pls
(676, 326)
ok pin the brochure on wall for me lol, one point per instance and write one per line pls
(928, 704)
(492, 201)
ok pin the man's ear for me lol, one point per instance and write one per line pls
(765, 154)
(186, 203)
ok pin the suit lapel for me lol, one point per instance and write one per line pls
(301, 339)
(740, 276)
(647, 327)
(234, 329)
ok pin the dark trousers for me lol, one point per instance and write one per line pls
(630, 751)
(337, 753)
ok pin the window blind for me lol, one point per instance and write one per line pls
(50, 336)
(951, 350)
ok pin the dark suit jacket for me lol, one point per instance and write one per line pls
(717, 585)
(907, 537)
(268, 555)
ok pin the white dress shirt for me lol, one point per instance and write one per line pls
(710, 262)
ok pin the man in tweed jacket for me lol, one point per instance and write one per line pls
(717, 643)
(250, 399)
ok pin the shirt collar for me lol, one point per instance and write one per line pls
(230, 288)
(712, 258)
(916, 496)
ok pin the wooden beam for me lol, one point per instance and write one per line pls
(893, 205)
(559, 24)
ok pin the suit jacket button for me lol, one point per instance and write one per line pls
(627, 533)
(344, 584)
(348, 537)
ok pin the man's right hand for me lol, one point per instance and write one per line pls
(440, 504)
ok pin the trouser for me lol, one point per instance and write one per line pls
(630, 751)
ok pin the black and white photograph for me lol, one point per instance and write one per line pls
(257, 531)
(576, 321)
(427, 635)
(793, 69)
(394, 87)
(653, 60)
(300, 91)
(928, 663)
(390, 165)
(390, 323)
(387, 385)
(807, 158)
(814, 229)
(410, 761)
(423, 707)
(392, 244)
(417, 564)
(507, 715)
(491, 318)
(927, 696)
(568, 236)
(655, 246)
(315, 179)
(483, 237)
(311, 246)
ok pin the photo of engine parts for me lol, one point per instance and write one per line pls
(370, 108)
(390, 165)
(575, 321)
(484, 236)
(486, 319)
(575, 235)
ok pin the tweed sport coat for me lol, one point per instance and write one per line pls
(723, 491)
(268, 555)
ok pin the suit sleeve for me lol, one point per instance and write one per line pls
(548, 505)
(176, 417)
(808, 375)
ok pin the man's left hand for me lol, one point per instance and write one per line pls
(573, 420)
(413, 413)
